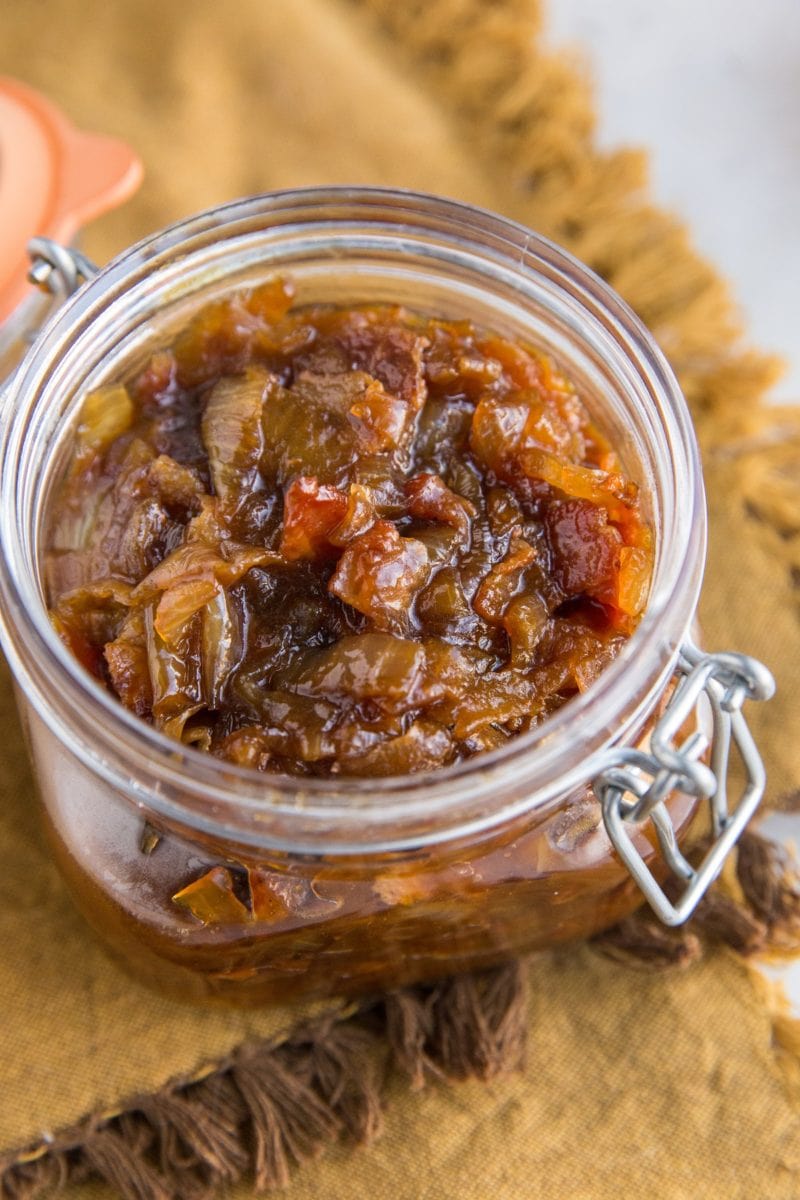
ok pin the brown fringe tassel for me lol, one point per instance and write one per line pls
(766, 917)
(529, 116)
(269, 1108)
(769, 879)
(642, 941)
(196, 1134)
(470, 1026)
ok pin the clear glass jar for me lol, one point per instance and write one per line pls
(344, 885)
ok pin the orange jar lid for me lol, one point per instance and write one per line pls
(53, 179)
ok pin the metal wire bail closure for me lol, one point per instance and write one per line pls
(634, 784)
(59, 270)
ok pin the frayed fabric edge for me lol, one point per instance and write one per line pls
(268, 1108)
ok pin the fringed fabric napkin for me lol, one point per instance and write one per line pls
(673, 1072)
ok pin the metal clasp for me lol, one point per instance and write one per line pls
(633, 784)
(59, 270)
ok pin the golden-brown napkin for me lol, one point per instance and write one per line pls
(635, 1084)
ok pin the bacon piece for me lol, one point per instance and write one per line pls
(311, 513)
(386, 349)
(222, 337)
(379, 574)
(585, 549)
(127, 664)
(430, 499)
(378, 418)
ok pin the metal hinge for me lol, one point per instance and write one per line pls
(59, 270)
(633, 784)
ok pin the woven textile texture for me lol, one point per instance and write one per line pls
(669, 1084)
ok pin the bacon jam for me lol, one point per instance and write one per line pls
(327, 541)
(340, 542)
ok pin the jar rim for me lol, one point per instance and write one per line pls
(342, 812)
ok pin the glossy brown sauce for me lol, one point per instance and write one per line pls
(357, 542)
(354, 542)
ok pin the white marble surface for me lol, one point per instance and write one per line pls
(712, 89)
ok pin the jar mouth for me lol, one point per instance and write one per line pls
(381, 239)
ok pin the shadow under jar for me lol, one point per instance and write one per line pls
(344, 885)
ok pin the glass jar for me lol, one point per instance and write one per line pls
(347, 885)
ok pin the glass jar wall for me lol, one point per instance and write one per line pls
(337, 885)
